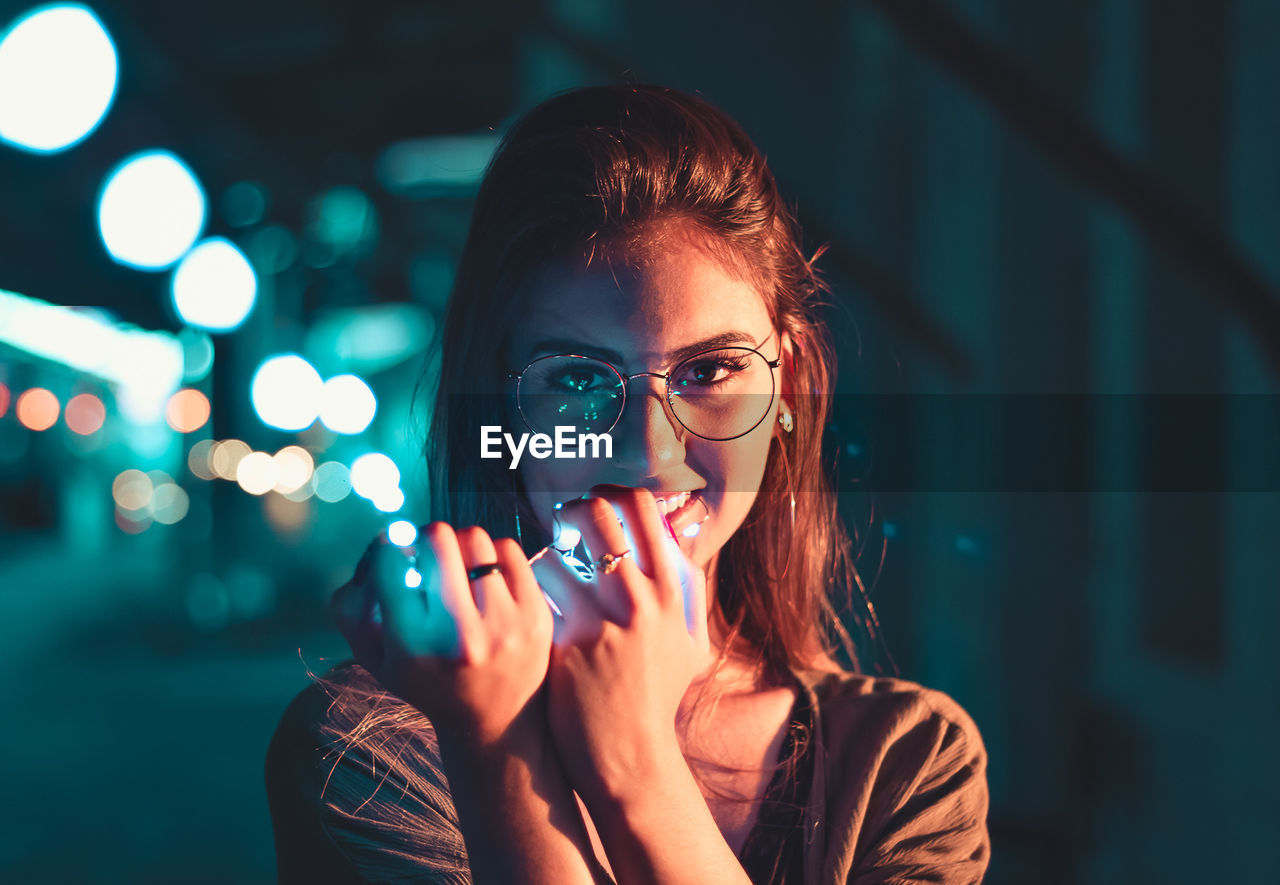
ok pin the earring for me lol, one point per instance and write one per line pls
(791, 494)
(785, 419)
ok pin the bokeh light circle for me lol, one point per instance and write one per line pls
(200, 459)
(188, 410)
(133, 522)
(132, 490)
(374, 474)
(294, 466)
(347, 405)
(151, 210)
(256, 473)
(389, 500)
(402, 533)
(85, 414)
(58, 72)
(332, 481)
(214, 287)
(226, 457)
(286, 392)
(37, 409)
(169, 503)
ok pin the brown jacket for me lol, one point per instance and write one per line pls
(899, 792)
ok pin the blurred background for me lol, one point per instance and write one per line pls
(227, 236)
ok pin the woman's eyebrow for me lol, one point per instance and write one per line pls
(549, 346)
(570, 345)
(723, 339)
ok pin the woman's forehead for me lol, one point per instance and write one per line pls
(643, 312)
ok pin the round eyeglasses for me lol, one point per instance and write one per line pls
(718, 394)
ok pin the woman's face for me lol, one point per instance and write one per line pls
(648, 319)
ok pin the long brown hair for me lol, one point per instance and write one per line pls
(592, 176)
(588, 176)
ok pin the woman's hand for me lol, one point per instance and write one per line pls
(470, 654)
(630, 642)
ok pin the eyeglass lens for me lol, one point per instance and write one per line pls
(718, 395)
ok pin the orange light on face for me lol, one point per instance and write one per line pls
(4, 400)
(37, 409)
(188, 410)
(85, 414)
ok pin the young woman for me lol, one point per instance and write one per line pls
(671, 709)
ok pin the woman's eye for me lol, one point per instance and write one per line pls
(712, 371)
(577, 382)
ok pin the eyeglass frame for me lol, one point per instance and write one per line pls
(666, 383)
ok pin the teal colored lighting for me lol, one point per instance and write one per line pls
(197, 355)
(286, 391)
(214, 286)
(436, 164)
(58, 72)
(332, 482)
(151, 210)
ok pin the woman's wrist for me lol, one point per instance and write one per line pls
(518, 816)
(657, 828)
(477, 738)
(623, 783)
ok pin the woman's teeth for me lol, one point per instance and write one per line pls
(672, 503)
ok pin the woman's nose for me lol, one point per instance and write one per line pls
(648, 439)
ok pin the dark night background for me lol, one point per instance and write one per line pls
(1019, 198)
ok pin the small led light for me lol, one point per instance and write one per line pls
(413, 579)
(402, 533)
(691, 530)
(567, 538)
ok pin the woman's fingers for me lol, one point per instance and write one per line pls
(352, 603)
(521, 581)
(573, 597)
(404, 593)
(490, 590)
(645, 530)
(616, 520)
(449, 570)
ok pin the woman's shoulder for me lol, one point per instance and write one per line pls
(339, 699)
(342, 721)
(356, 789)
(849, 698)
(904, 768)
